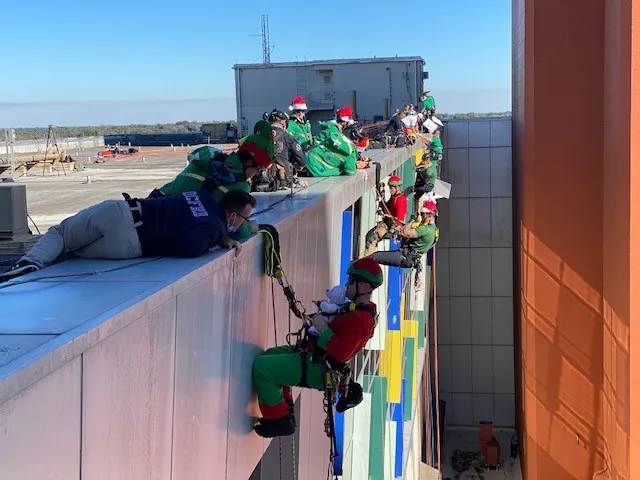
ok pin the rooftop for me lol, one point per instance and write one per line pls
(341, 61)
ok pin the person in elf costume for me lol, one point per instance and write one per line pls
(426, 176)
(280, 368)
(211, 170)
(417, 239)
(333, 154)
(356, 134)
(435, 147)
(428, 104)
(394, 213)
(298, 125)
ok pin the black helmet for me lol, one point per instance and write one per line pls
(265, 116)
(355, 132)
(277, 115)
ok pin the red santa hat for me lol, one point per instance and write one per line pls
(298, 103)
(429, 207)
(345, 114)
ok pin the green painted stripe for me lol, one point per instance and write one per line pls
(419, 315)
(409, 354)
(378, 388)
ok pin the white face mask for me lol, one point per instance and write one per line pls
(231, 228)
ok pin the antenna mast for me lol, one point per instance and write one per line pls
(266, 48)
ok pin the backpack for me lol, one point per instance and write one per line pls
(219, 175)
(265, 180)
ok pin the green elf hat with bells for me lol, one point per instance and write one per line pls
(395, 181)
(260, 144)
(366, 270)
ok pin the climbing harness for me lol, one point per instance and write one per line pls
(415, 257)
(338, 376)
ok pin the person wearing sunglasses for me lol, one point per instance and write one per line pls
(416, 240)
(280, 368)
(186, 225)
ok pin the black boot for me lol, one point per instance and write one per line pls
(277, 427)
(292, 412)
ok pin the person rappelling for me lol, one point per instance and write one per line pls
(394, 212)
(328, 349)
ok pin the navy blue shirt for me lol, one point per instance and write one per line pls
(184, 225)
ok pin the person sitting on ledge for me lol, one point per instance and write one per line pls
(333, 154)
(298, 125)
(416, 240)
(186, 225)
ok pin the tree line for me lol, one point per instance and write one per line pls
(38, 133)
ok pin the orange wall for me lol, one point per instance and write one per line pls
(578, 232)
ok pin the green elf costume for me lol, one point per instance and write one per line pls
(280, 368)
(429, 104)
(334, 154)
(300, 129)
(216, 172)
(436, 143)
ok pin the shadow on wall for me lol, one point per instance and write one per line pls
(575, 361)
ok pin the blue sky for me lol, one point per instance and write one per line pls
(126, 51)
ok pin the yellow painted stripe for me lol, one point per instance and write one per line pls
(391, 365)
(410, 328)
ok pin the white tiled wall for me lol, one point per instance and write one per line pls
(474, 266)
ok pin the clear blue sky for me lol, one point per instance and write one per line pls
(137, 50)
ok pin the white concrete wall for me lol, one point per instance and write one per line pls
(475, 275)
(145, 372)
(261, 89)
(39, 146)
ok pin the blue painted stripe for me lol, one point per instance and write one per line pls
(338, 422)
(394, 290)
(345, 252)
(345, 260)
(397, 415)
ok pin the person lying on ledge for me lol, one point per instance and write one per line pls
(416, 240)
(186, 225)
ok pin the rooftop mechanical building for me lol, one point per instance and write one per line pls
(372, 86)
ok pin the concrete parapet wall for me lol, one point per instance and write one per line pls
(144, 372)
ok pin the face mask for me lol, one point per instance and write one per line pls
(231, 228)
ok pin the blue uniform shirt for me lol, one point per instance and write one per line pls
(184, 225)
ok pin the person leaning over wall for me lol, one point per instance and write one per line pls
(217, 173)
